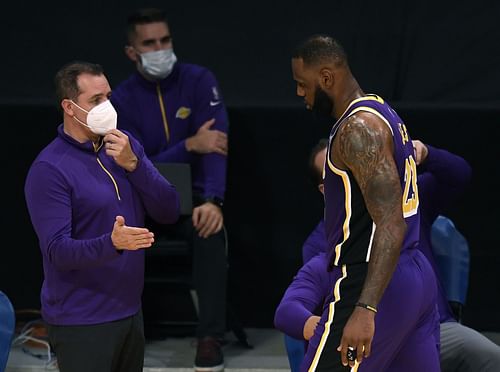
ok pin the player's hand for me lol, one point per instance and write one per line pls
(117, 145)
(130, 238)
(310, 326)
(208, 140)
(421, 151)
(358, 334)
(207, 219)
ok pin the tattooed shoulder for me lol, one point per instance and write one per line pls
(361, 145)
(360, 140)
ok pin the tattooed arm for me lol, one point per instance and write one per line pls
(364, 145)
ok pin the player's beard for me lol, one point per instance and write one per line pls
(322, 105)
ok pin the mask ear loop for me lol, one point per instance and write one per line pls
(138, 55)
(73, 102)
(78, 120)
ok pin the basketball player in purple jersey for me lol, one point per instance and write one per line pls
(383, 305)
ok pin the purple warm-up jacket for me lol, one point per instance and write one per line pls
(74, 193)
(162, 115)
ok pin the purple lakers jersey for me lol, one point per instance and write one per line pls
(349, 226)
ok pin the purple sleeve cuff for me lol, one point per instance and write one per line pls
(304, 295)
(290, 318)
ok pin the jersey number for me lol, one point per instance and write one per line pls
(410, 192)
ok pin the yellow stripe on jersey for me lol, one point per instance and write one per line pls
(347, 206)
(366, 98)
(331, 313)
(373, 111)
(345, 178)
(368, 253)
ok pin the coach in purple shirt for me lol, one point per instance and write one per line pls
(87, 194)
(177, 112)
(443, 177)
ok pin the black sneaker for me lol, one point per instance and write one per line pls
(209, 356)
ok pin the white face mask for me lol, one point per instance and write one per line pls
(158, 64)
(101, 118)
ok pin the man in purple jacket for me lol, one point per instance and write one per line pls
(176, 111)
(87, 194)
(443, 177)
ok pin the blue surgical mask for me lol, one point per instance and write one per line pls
(158, 64)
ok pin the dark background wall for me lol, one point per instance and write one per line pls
(437, 62)
(418, 51)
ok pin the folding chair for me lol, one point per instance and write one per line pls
(170, 303)
(451, 252)
(7, 327)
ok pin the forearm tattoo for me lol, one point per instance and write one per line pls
(365, 148)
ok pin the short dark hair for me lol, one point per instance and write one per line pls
(144, 16)
(66, 79)
(321, 49)
(316, 174)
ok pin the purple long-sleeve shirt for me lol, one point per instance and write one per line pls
(74, 194)
(305, 295)
(315, 242)
(162, 115)
(442, 178)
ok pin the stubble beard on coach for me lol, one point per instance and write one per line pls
(323, 105)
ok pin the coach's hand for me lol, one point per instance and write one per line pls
(130, 238)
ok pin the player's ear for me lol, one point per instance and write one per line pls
(326, 77)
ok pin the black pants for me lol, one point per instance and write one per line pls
(209, 277)
(108, 347)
